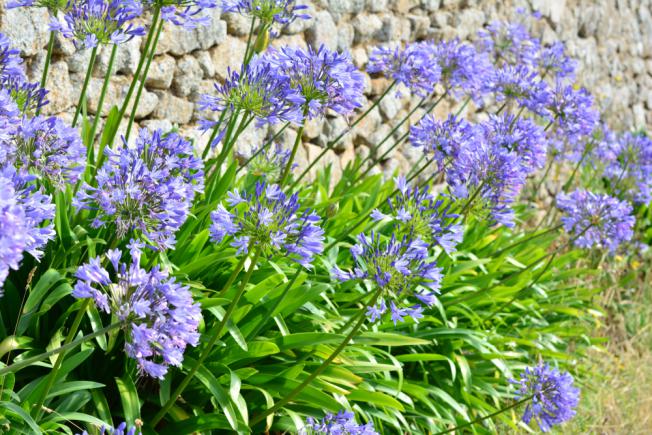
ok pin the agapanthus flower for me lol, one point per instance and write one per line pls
(464, 70)
(553, 61)
(343, 423)
(415, 66)
(327, 80)
(46, 147)
(268, 12)
(553, 396)
(490, 176)
(256, 91)
(596, 220)
(23, 210)
(400, 270)
(270, 221)
(416, 213)
(159, 316)
(28, 96)
(520, 135)
(148, 188)
(443, 139)
(625, 160)
(522, 85)
(121, 429)
(509, 43)
(10, 60)
(573, 111)
(268, 163)
(90, 23)
(53, 6)
(188, 14)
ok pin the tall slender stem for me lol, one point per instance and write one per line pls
(87, 79)
(143, 78)
(141, 61)
(324, 365)
(264, 147)
(288, 166)
(57, 364)
(479, 419)
(65, 348)
(46, 66)
(245, 59)
(209, 346)
(100, 103)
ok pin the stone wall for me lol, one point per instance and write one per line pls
(611, 38)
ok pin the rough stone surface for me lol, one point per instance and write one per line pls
(612, 40)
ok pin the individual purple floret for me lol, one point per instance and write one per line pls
(520, 135)
(417, 214)
(509, 43)
(490, 176)
(399, 269)
(573, 112)
(522, 85)
(415, 66)
(269, 221)
(48, 148)
(464, 70)
(159, 315)
(268, 163)
(91, 23)
(553, 396)
(443, 139)
(341, 424)
(257, 91)
(268, 12)
(121, 429)
(147, 189)
(554, 62)
(596, 220)
(23, 210)
(327, 80)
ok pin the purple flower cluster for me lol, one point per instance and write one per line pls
(257, 91)
(341, 424)
(90, 23)
(553, 396)
(149, 188)
(268, 163)
(519, 135)
(573, 112)
(553, 60)
(270, 221)
(522, 85)
(13, 81)
(463, 68)
(399, 269)
(444, 139)
(596, 220)
(418, 215)
(188, 14)
(491, 176)
(158, 313)
(269, 12)
(415, 66)
(23, 210)
(47, 147)
(53, 6)
(509, 43)
(327, 80)
(121, 429)
(626, 162)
